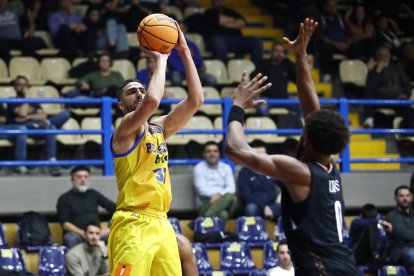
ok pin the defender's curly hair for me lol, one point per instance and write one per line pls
(326, 131)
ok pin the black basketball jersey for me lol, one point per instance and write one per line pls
(314, 227)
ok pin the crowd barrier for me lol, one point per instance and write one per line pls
(341, 104)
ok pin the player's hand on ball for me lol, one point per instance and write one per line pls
(247, 92)
(153, 54)
(181, 45)
(299, 45)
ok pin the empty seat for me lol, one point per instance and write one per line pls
(270, 255)
(218, 69)
(3, 240)
(92, 123)
(46, 91)
(199, 123)
(263, 123)
(208, 225)
(70, 139)
(217, 273)
(353, 71)
(7, 92)
(237, 66)
(218, 125)
(236, 257)
(252, 231)
(132, 40)
(28, 67)
(198, 40)
(392, 270)
(52, 261)
(200, 254)
(78, 61)
(174, 10)
(125, 67)
(175, 223)
(12, 260)
(56, 70)
(4, 72)
(211, 109)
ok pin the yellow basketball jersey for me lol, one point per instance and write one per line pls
(142, 173)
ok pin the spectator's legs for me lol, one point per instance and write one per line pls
(71, 239)
(407, 257)
(20, 143)
(252, 210)
(247, 45)
(66, 40)
(121, 39)
(176, 78)
(59, 119)
(325, 55)
(218, 44)
(225, 203)
(101, 42)
(111, 28)
(51, 145)
(263, 110)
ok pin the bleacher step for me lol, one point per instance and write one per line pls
(266, 20)
(375, 166)
(271, 33)
(321, 88)
(368, 147)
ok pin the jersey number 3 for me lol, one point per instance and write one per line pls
(160, 174)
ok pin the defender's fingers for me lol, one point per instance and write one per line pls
(255, 79)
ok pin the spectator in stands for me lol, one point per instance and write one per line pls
(176, 66)
(402, 221)
(108, 35)
(280, 71)
(79, 207)
(259, 193)
(214, 183)
(154, 6)
(333, 37)
(11, 35)
(285, 267)
(136, 13)
(99, 83)
(32, 116)
(19, 140)
(40, 11)
(222, 32)
(362, 31)
(388, 34)
(68, 30)
(89, 257)
(388, 80)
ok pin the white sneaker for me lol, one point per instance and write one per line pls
(369, 122)
(21, 170)
(326, 78)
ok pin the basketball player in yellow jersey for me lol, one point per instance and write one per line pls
(142, 241)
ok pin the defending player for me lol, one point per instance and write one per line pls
(312, 200)
(142, 241)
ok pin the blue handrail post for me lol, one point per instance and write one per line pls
(226, 110)
(108, 168)
(346, 154)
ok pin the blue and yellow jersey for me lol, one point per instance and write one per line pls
(142, 174)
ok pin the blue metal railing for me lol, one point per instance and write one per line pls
(106, 103)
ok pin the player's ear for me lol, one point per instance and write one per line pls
(120, 106)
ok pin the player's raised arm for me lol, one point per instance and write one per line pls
(180, 115)
(282, 167)
(306, 88)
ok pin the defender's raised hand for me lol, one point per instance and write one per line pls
(246, 93)
(299, 45)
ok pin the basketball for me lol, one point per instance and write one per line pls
(157, 32)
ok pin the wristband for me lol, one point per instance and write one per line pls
(236, 114)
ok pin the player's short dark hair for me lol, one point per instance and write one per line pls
(401, 187)
(326, 131)
(282, 242)
(93, 223)
(369, 211)
(80, 168)
(125, 83)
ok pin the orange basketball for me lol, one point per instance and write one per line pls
(157, 32)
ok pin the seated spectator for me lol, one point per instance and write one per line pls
(280, 71)
(11, 35)
(109, 36)
(388, 34)
(222, 32)
(333, 37)
(402, 221)
(154, 6)
(99, 83)
(40, 11)
(285, 267)
(32, 116)
(68, 31)
(79, 207)
(259, 194)
(387, 80)
(214, 184)
(176, 66)
(362, 31)
(20, 144)
(89, 257)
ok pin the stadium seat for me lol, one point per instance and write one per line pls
(353, 71)
(280, 234)
(92, 123)
(236, 67)
(252, 231)
(12, 260)
(217, 273)
(176, 225)
(207, 225)
(70, 139)
(46, 91)
(175, 11)
(193, 10)
(211, 109)
(392, 270)
(4, 72)
(199, 123)
(52, 261)
(28, 67)
(263, 123)
(200, 254)
(132, 40)
(198, 40)
(218, 125)
(218, 69)
(3, 240)
(142, 64)
(270, 255)
(56, 70)
(258, 273)
(125, 67)
(50, 50)
(236, 257)
(7, 92)
(78, 61)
